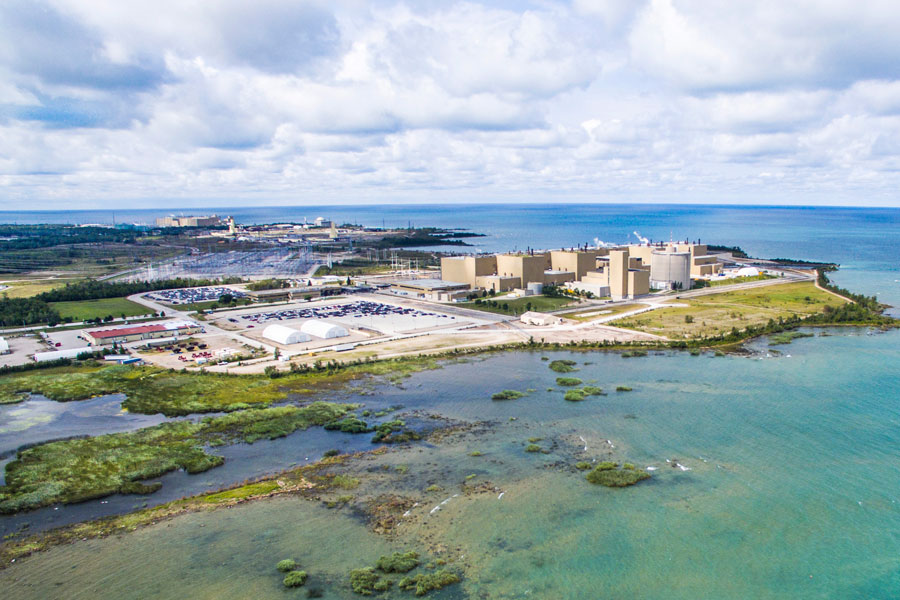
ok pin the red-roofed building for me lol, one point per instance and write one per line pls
(121, 335)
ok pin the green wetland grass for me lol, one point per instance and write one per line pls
(568, 381)
(76, 470)
(609, 474)
(151, 390)
(563, 366)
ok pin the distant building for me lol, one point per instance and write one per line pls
(431, 289)
(171, 221)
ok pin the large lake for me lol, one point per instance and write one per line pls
(789, 489)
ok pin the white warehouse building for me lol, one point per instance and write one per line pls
(323, 329)
(284, 335)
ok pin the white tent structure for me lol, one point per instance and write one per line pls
(284, 335)
(540, 319)
(4, 346)
(323, 329)
(747, 272)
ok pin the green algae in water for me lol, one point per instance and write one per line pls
(568, 381)
(507, 395)
(398, 562)
(422, 583)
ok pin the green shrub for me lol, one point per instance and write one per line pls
(474, 453)
(433, 488)
(568, 381)
(606, 473)
(423, 583)
(345, 482)
(623, 388)
(787, 337)
(398, 562)
(634, 354)
(563, 366)
(288, 564)
(394, 432)
(592, 390)
(583, 465)
(295, 579)
(330, 453)
(532, 448)
(349, 424)
(507, 395)
(574, 396)
(365, 581)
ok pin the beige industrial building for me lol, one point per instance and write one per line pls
(431, 289)
(620, 273)
(188, 221)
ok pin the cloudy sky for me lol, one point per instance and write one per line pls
(199, 102)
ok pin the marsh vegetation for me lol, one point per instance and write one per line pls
(609, 474)
(76, 470)
(563, 366)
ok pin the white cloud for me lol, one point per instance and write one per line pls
(673, 99)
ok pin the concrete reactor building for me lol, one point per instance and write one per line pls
(670, 270)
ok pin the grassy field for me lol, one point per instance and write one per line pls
(93, 309)
(591, 313)
(81, 469)
(734, 281)
(719, 313)
(24, 288)
(517, 306)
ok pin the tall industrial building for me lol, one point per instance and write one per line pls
(621, 273)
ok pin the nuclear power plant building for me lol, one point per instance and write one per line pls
(625, 272)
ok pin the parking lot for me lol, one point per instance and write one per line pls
(20, 347)
(192, 295)
(196, 350)
(384, 318)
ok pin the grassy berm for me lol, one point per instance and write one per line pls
(81, 469)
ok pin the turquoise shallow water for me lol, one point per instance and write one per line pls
(792, 491)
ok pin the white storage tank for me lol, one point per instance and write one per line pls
(670, 270)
